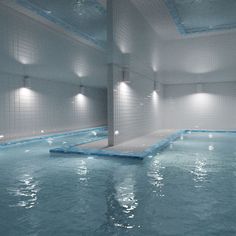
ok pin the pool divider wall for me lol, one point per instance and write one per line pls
(57, 135)
(152, 150)
(159, 146)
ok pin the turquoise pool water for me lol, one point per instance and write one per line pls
(188, 189)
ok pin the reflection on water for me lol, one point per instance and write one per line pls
(156, 177)
(199, 173)
(26, 192)
(122, 201)
(125, 195)
(82, 171)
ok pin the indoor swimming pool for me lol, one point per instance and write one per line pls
(188, 189)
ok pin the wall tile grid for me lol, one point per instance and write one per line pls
(33, 48)
(136, 109)
(212, 108)
(47, 107)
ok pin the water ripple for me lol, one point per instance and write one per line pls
(156, 178)
(199, 173)
(25, 192)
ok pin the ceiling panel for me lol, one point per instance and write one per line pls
(87, 18)
(31, 48)
(195, 16)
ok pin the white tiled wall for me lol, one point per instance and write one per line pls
(48, 106)
(136, 109)
(214, 108)
(30, 47)
(34, 48)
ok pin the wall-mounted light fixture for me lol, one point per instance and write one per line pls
(81, 89)
(156, 86)
(125, 75)
(26, 82)
(125, 67)
(199, 88)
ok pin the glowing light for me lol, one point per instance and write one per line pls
(80, 97)
(27, 97)
(42, 131)
(50, 141)
(210, 136)
(24, 91)
(94, 133)
(202, 59)
(25, 53)
(80, 101)
(116, 133)
(1, 136)
(201, 100)
(211, 148)
(124, 86)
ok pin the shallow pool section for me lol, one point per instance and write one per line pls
(188, 189)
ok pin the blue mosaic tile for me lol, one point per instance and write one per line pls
(58, 135)
(198, 16)
(76, 21)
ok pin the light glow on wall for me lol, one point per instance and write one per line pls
(201, 100)
(27, 97)
(201, 61)
(81, 101)
(26, 52)
(25, 92)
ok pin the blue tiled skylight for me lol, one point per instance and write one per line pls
(86, 18)
(195, 16)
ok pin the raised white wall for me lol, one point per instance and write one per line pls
(40, 50)
(206, 58)
(48, 106)
(133, 43)
(214, 108)
(56, 63)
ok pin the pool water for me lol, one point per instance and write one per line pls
(188, 189)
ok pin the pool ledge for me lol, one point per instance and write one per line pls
(154, 143)
(27, 140)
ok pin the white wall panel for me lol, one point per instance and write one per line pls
(49, 106)
(134, 113)
(214, 108)
(33, 48)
